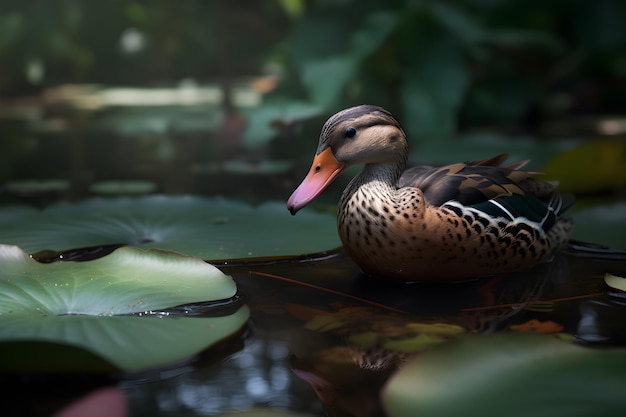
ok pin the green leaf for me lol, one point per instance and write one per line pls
(260, 131)
(600, 25)
(327, 64)
(128, 343)
(458, 22)
(516, 375)
(435, 82)
(11, 28)
(326, 77)
(613, 281)
(596, 165)
(515, 37)
(205, 228)
(129, 280)
(603, 225)
(374, 30)
(71, 307)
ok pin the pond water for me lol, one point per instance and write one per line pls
(303, 350)
(322, 338)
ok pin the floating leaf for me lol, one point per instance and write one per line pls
(613, 281)
(36, 186)
(130, 280)
(125, 187)
(201, 227)
(516, 375)
(128, 343)
(604, 225)
(73, 304)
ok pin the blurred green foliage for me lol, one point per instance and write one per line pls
(133, 41)
(437, 64)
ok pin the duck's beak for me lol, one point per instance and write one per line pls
(324, 170)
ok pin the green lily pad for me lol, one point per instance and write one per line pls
(603, 225)
(126, 342)
(34, 186)
(509, 374)
(207, 228)
(123, 187)
(78, 305)
(613, 281)
(130, 280)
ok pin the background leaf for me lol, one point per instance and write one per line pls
(435, 82)
(207, 228)
(593, 166)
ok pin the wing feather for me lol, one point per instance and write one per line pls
(473, 182)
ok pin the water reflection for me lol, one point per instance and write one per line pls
(258, 376)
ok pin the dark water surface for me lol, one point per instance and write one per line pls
(301, 352)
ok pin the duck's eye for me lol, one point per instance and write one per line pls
(350, 132)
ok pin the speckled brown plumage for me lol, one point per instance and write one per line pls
(450, 223)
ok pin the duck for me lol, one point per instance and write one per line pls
(449, 223)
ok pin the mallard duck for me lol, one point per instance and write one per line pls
(437, 224)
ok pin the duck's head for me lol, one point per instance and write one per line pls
(359, 135)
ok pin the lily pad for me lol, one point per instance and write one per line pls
(127, 343)
(613, 281)
(207, 228)
(512, 375)
(35, 186)
(604, 225)
(130, 280)
(78, 305)
(123, 187)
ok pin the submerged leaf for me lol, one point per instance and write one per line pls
(516, 375)
(536, 326)
(443, 329)
(416, 343)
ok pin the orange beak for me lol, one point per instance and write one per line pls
(324, 170)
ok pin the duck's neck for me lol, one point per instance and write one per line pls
(376, 183)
